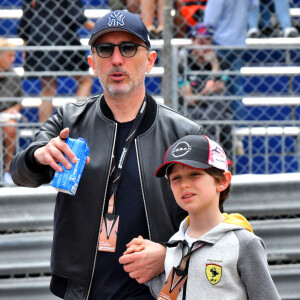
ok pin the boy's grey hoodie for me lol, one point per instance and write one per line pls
(231, 265)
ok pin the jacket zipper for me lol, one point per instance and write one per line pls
(95, 257)
(144, 199)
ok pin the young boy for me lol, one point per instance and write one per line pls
(213, 255)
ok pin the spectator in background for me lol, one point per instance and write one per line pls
(228, 21)
(130, 5)
(283, 15)
(152, 15)
(193, 11)
(54, 23)
(10, 86)
(205, 86)
(148, 11)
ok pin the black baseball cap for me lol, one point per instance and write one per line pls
(120, 20)
(194, 151)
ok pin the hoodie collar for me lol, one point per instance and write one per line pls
(231, 222)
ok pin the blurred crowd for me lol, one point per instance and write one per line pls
(206, 22)
(265, 18)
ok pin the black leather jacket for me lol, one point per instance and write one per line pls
(77, 218)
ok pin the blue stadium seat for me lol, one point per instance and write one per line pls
(8, 27)
(266, 113)
(11, 4)
(259, 166)
(295, 3)
(95, 3)
(296, 84)
(153, 85)
(297, 113)
(266, 84)
(256, 56)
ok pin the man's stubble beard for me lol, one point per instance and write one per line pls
(120, 89)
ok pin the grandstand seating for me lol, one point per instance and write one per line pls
(260, 79)
(26, 232)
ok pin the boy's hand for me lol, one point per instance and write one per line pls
(136, 245)
(145, 263)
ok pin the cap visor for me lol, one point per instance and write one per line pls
(161, 171)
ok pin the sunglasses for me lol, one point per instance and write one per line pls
(127, 49)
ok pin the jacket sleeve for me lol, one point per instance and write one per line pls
(254, 269)
(156, 283)
(24, 169)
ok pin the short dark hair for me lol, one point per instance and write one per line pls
(218, 175)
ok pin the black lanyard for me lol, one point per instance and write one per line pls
(183, 262)
(178, 275)
(117, 169)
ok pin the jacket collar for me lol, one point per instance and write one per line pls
(149, 118)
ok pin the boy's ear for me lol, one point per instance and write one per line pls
(224, 182)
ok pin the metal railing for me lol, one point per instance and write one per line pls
(26, 232)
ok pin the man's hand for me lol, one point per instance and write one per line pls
(143, 259)
(52, 153)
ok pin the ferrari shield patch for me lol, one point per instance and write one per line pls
(213, 273)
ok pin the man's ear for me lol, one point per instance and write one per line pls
(150, 61)
(92, 64)
(224, 182)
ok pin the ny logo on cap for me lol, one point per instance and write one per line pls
(116, 19)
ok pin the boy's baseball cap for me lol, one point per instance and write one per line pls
(194, 151)
(201, 31)
(120, 20)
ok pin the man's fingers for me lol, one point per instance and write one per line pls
(63, 148)
(126, 259)
(64, 134)
(138, 277)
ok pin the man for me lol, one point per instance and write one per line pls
(127, 132)
(10, 87)
(198, 82)
(54, 23)
(228, 21)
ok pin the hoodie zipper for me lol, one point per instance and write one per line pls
(107, 180)
(143, 194)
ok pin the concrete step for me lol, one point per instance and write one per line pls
(281, 237)
(29, 253)
(25, 254)
(26, 208)
(255, 196)
(26, 289)
(260, 196)
(286, 279)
